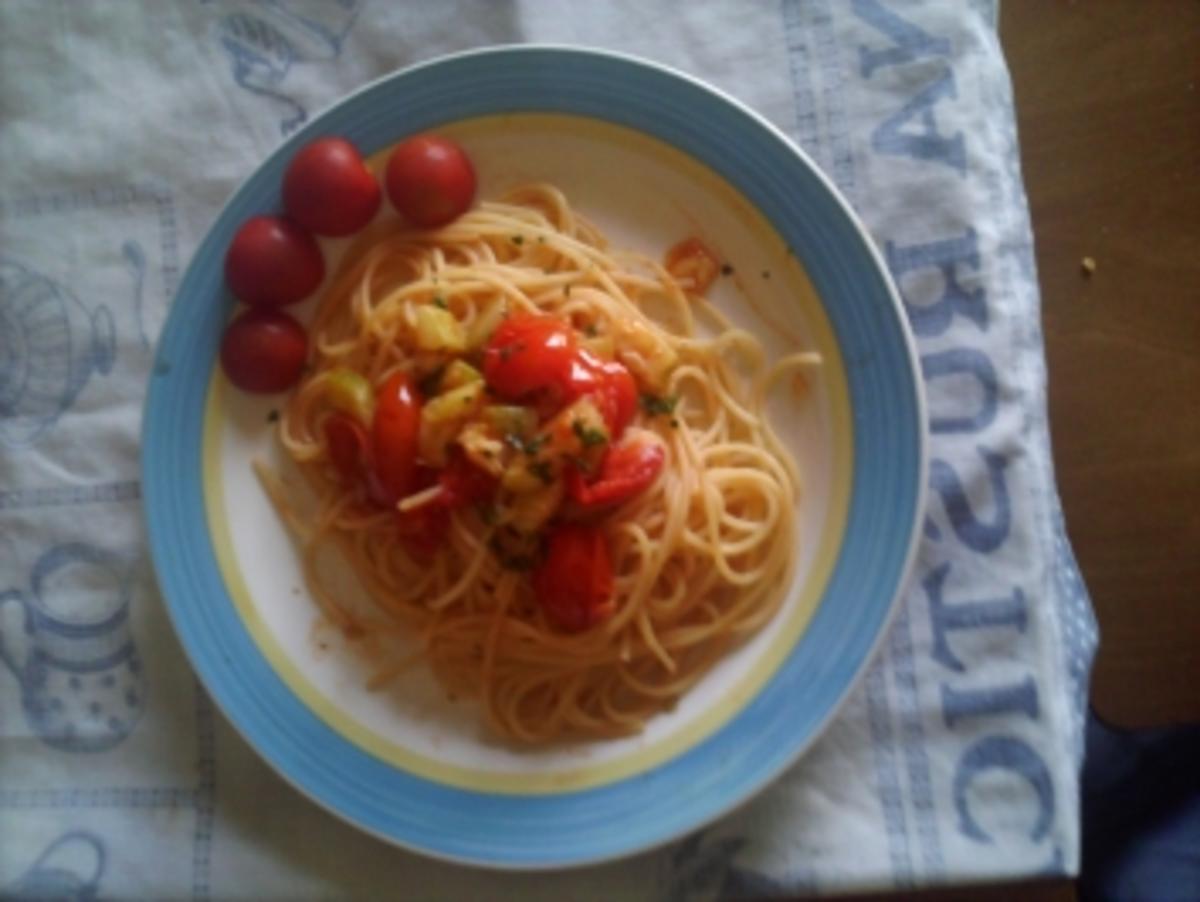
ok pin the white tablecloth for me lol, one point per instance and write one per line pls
(124, 127)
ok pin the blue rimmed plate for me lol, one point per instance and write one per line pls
(651, 156)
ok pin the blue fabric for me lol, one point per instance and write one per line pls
(1141, 815)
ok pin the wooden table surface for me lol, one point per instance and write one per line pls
(1108, 108)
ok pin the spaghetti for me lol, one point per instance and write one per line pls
(700, 559)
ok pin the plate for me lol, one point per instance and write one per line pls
(651, 156)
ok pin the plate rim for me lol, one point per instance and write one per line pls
(764, 777)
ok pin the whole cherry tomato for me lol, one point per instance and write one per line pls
(272, 262)
(394, 438)
(430, 180)
(531, 353)
(328, 189)
(625, 471)
(574, 582)
(263, 351)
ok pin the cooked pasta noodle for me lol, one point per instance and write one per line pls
(701, 558)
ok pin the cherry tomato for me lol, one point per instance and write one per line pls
(329, 190)
(574, 582)
(264, 351)
(430, 180)
(394, 438)
(691, 260)
(464, 483)
(530, 353)
(272, 262)
(612, 386)
(348, 445)
(625, 471)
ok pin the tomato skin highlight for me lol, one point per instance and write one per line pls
(430, 180)
(574, 582)
(264, 351)
(612, 386)
(328, 189)
(394, 435)
(273, 262)
(626, 471)
(530, 353)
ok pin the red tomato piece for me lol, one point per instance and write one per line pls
(328, 189)
(612, 386)
(273, 262)
(348, 445)
(574, 582)
(691, 261)
(423, 529)
(625, 471)
(464, 483)
(530, 353)
(263, 351)
(430, 180)
(394, 438)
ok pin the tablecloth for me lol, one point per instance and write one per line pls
(123, 128)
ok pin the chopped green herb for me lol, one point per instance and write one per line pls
(487, 513)
(541, 239)
(273, 416)
(590, 330)
(541, 469)
(726, 269)
(431, 382)
(655, 405)
(518, 240)
(581, 465)
(589, 436)
(439, 301)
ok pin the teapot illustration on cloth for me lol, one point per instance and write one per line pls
(262, 47)
(49, 347)
(70, 868)
(81, 679)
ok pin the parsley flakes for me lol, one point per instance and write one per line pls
(589, 436)
(654, 405)
(541, 469)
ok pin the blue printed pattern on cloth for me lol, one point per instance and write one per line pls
(957, 756)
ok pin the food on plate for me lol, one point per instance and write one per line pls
(430, 180)
(264, 351)
(273, 262)
(328, 189)
(548, 462)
